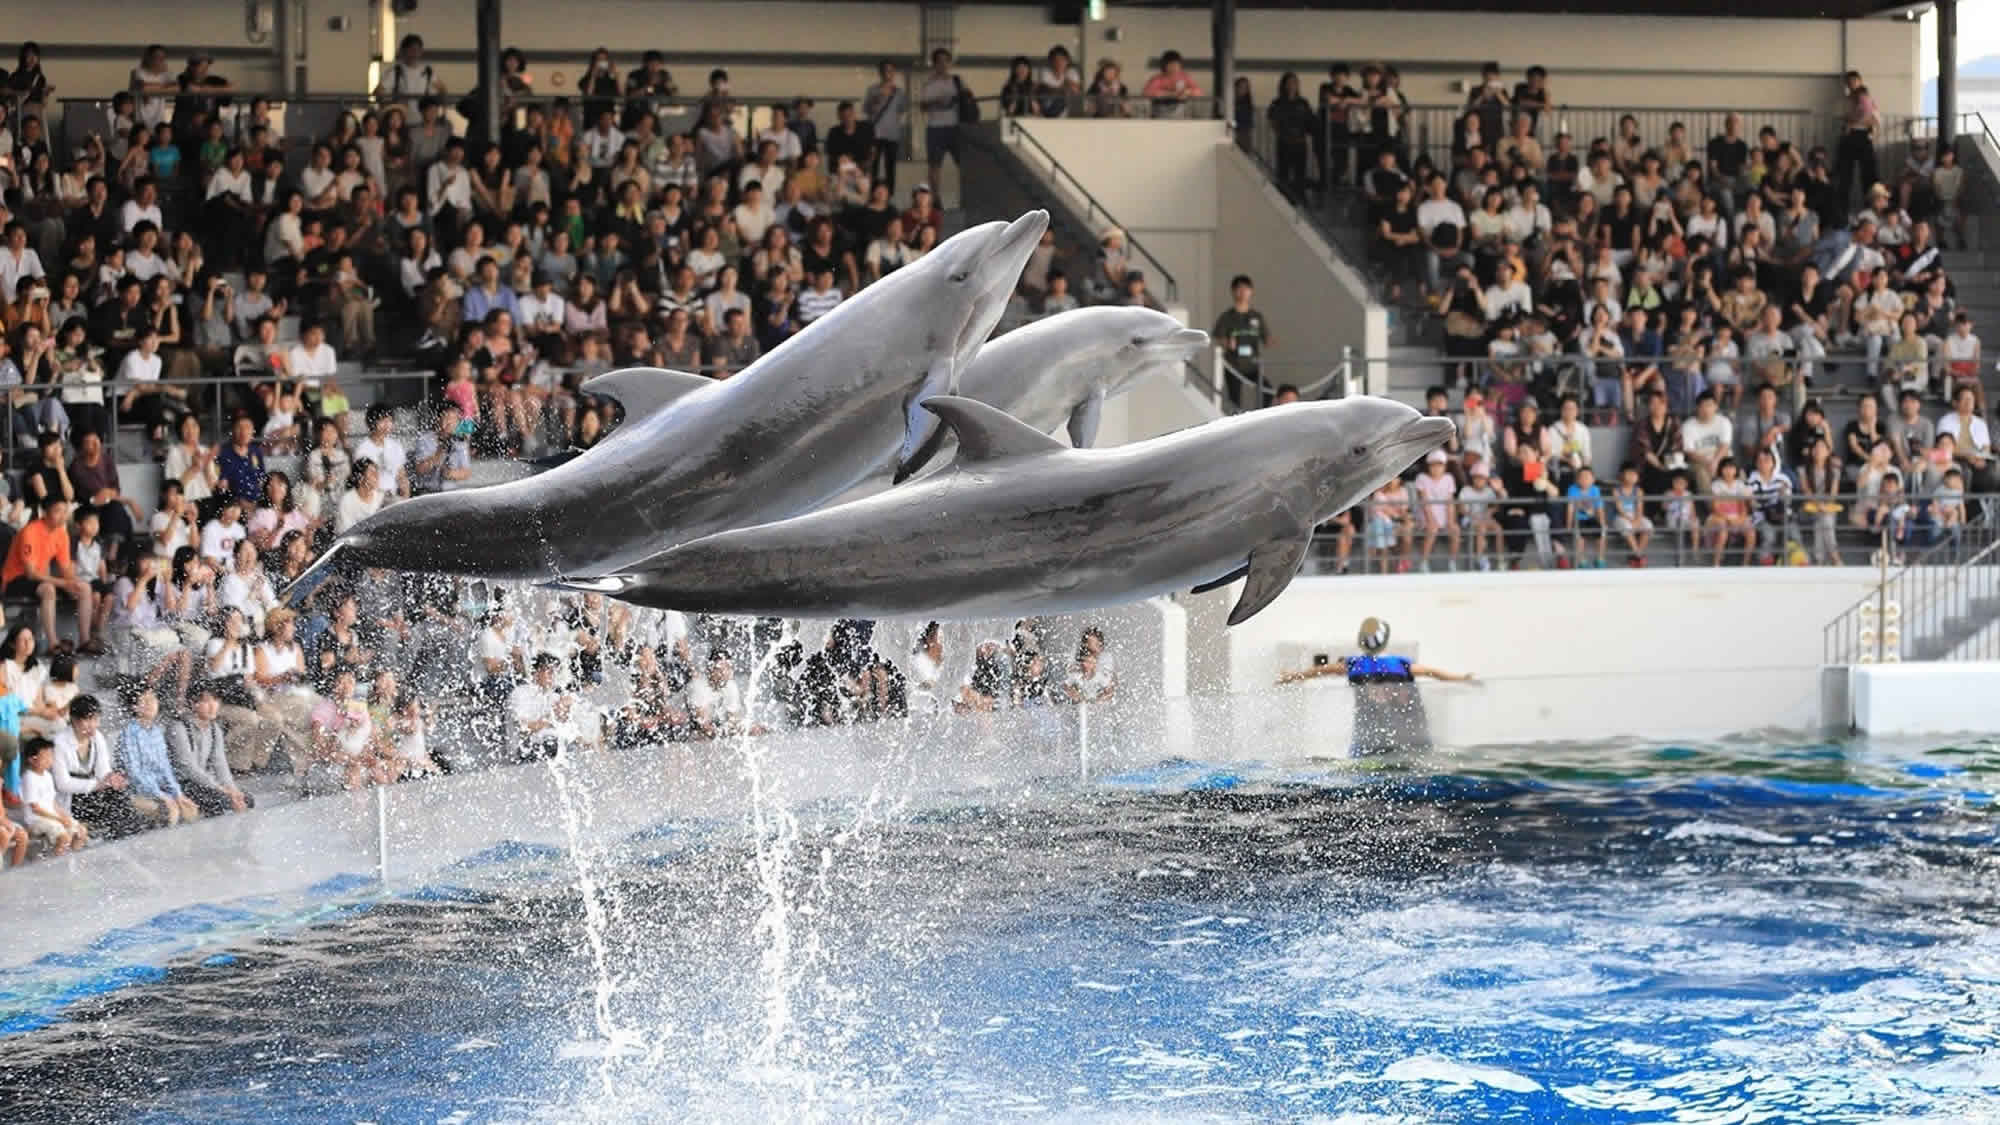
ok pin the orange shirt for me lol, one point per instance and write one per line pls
(37, 545)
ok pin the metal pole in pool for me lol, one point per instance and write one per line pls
(1083, 742)
(381, 834)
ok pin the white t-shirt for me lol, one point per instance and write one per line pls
(166, 542)
(1431, 212)
(1980, 441)
(132, 214)
(388, 456)
(1094, 686)
(1716, 436)
(723, 703)
(218, 541)
(225, 182)
(137, 367)
(237, 663)
(1515, 298)
(353, 509)
(38, 790)
(1961, 349)
(311, 366)
(152, 108)
(314, 182)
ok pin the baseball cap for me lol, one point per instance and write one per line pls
(1435, 457)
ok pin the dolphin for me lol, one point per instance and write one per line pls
(694, 456)
(1022, 525)
(1060, 369)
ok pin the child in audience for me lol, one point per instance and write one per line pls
(44, 817)
(1629, 515)
(281, 428)
(1948, 505)
(1389, 525)
(1679, 507)
(1436, 490)
(1729, 510)
(1586, 516)
(1478, 499)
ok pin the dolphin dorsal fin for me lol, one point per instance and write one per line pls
(644, 390)
(987, 433)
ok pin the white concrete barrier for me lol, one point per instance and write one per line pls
(1935, 697)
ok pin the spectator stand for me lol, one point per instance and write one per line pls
(1000, 182)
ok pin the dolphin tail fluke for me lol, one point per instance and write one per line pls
(313, 577)
(922, 456)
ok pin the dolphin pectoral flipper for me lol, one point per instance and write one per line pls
(986, 433)
(312, 578)
(1083, 420)
(612, 584)
(922, 457)
(644, 390)
(1271, 569)
(1219, 583)
(919, 426)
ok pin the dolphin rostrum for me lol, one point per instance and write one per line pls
(1060, 369)
(694, 456)
(1022, 525)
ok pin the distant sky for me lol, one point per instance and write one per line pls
(1978, 33)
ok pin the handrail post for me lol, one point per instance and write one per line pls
(1346, 371)
(1882, 592)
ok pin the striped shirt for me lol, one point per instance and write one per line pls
(813, 304)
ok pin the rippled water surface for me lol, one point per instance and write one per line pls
(1604, 934)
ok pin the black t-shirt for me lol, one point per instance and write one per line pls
(813, 261)
(1624, 229)
(859, 144)
(1852, 434)
(1403, 221)
(1728, 156)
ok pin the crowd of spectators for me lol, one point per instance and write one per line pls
(1513, 488)
(206, 690)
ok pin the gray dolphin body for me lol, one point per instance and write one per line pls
(1022, 525)
(694, 456)
(1059, 370)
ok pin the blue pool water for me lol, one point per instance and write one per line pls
(1740, 932)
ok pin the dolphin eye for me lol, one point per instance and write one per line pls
(1359, 451)
(960, 277)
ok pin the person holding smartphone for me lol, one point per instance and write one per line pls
(442, 457)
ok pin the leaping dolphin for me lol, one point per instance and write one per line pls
(1022, 525)
(693, 456)
(1059, 370)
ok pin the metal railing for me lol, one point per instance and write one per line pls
(218, 405)
(1944, 604)
(1093, 213)
(1553, 531)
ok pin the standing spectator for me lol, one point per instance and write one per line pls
(941, 93)
(410, 77)
(850, 137)
(1243, 334)
(201, 757)
(1171, 87)
(1293, 123)
(882, 108)
(1856, 151)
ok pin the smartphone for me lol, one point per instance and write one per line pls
(1321, 660)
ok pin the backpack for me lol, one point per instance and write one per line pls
(968, 106)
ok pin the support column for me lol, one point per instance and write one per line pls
(487, 29)
(1222, 48)
(1947, 45)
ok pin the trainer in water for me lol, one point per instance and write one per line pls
(1388, 709)
(1059, 370)
(1022, 525)
(803, 424)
